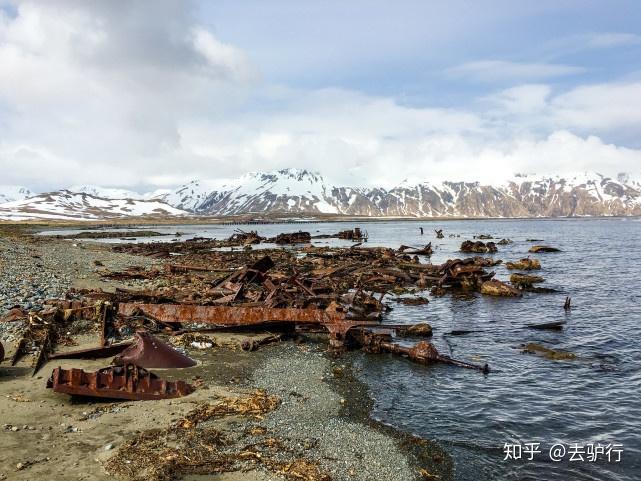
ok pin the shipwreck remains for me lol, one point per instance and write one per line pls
(149, 352)
(118, 382)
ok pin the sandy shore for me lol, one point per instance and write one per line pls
(323, 416)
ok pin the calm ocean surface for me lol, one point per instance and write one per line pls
(526, 398)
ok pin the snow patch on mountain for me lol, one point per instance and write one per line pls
(106, 192)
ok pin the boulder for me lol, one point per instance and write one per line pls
(526, 264)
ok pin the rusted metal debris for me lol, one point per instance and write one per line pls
(116, 382)
(424, 251)
(356, 235)
(150, 352)
(478, 247)
(439, 233)
(335, 321)
(568, 304)
(245, 238)
(1, 352)
(423, 352)
(292, 238)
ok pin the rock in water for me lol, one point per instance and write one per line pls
(525, 280)
(495, 287)
(526, 264)
(422, 329)
(539, 249)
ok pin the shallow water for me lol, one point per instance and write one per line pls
(525, 398)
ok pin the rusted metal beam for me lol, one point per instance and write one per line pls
(118, 382)
(229, 316)
(336, 322)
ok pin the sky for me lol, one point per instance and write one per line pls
(149, 94)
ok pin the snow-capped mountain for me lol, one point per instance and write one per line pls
(9, 193)
(296, 191)
(106, 192)
(66, 205)
(301, 191)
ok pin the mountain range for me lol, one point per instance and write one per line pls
(296, 191)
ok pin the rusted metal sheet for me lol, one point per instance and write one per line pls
(117, 382)
(149, 351)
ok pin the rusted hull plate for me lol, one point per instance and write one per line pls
(149, 351)
(119, 382)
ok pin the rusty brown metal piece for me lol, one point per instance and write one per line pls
(292, 238)
(149, 352)
(425, 251)
(14, 314)
(117, 382)
(423, 351)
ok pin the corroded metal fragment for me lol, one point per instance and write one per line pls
(117, 382)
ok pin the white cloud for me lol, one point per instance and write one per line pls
(612, 39)
(124, 94)
(501, 70)
(603, 107)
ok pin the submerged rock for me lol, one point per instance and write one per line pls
(495, 287)
(526, 264)
(546, 352)
(486, 261)
(422, 329)
(539, 249)
(525, 280)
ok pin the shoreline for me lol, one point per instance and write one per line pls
(132, 222)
